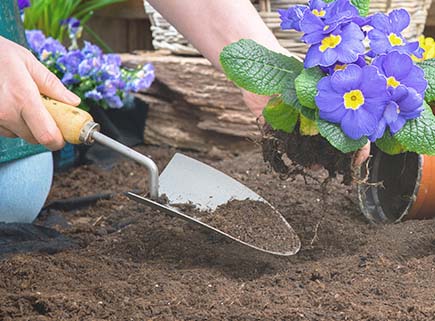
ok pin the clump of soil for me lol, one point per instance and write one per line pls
(306, 151)
(253, 222)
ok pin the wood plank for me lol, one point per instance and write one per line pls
(194, 106)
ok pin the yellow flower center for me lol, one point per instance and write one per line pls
(353, 99)
(393, 82)
(318, 13)
(45, 54)
(330, 42)
(340, 67)
(395, 40)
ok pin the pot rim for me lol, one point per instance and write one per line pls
(369, 194)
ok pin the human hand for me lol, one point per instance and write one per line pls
(361, 155)
(255, 103)
(22, 113)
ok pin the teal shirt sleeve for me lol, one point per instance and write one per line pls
(11, 28)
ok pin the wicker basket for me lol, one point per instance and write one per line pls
(165, 36)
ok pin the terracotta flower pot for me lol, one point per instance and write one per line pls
(407, 190)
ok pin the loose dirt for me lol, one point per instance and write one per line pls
(133, 263)
(253, 222)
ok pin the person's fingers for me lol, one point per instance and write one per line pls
(49, 85)
(4, 132)
(255, 103)
(362, 155)
(32, 120)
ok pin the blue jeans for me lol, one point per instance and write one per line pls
(24, 187)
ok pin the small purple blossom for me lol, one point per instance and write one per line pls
(405, 104)
(90, 73)
(355, 98)
(94, 95)
(22, 4)
(399, 69)
(114, 102)
(90, 50)
(344, 44)
(291, 17)
(35, 39)
(386, 35)
(340, 66)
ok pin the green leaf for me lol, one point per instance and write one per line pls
(306, 86)
(428, 67)
(418, 135)
(362, 6)
(280, 116)
(389, 144)
(308, 127)
(257, 69)
(289, 96)
(337, 138)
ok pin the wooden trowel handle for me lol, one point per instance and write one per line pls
(74, 123)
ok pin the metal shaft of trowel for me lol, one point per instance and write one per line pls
(78, 127)
(153, 171)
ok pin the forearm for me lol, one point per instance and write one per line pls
(210, 25)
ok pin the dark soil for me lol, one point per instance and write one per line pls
(133, 263)
(305, 151)
(253, 222)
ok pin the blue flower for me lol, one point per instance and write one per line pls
(142, 79)
(71, 61)
(340, 66)
(35, 39)
(74, 28)
(51, 48)
(89, 66)
(344, 44)
(291, 17)
(405, 104)
(386, 35)
(94, 95)
(355, 98)
(112, 59)
(114, 102)
(90, 50)
(399, 69)
(22, 4)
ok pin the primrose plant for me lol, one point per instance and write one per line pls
(96, 77)
(360, 81)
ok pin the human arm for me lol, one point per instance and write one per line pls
(22, 113)
(211, 25)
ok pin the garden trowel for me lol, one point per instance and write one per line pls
(183, 181)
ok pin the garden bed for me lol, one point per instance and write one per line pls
(132, 263)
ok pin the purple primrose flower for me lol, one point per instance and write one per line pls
(340, 66)
(386, 35)
(35, 39)
(405, 104)
(22, 4)
(344, 44)
(399, 69)
(291, 17)
(355, 98)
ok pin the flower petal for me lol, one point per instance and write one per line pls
(358, 123)
(379, 132)
(348, 79)
(400, 20)
(391, 112)
(397, 125)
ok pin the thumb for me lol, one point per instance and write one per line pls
(49, 85)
